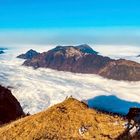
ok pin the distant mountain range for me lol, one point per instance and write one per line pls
(2, 50)
(83, 59)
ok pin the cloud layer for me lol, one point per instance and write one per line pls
(41, 88)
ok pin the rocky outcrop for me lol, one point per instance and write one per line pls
(70, 119)
(28, 55)
(10, 108)
(134, 114)
(83, 59)
(132, 131)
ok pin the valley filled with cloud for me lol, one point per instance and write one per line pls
(38, 89)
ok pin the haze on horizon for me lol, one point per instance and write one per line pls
(70, 22)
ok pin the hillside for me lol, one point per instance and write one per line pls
(121, 69)
(70, 119)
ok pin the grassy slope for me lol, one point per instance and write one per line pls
(63, 121)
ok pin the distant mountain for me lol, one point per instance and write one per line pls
(84, 48)
(1, 52)
(83, 59)
(28, 55)
(10, 108)
(2, 48)
(69, 120)
(138, 56)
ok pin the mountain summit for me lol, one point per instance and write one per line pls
(84, 48)
(28, 55)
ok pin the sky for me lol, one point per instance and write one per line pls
(70, 20)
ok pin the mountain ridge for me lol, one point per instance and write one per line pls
(73, 59)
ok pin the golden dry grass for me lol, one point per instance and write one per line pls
(62, 122)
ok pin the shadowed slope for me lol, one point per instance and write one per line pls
(10, 108)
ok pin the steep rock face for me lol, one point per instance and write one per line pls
(83, 59)
(28, 55)
(10, 108)
(69, 120)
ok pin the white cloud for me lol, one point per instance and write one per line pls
(41, 88)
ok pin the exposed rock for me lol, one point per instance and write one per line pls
(133, 127)
(134, 114)
(28, 55)
(10, 108)
(70, 119)
(83, 59)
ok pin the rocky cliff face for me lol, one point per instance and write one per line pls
(10, 108)
(28, 55)
(83, 59)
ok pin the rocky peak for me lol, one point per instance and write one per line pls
(86, 49)
(28, 55)
(71, 51)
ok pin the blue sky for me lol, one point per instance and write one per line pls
(69, 13)
(70, 21)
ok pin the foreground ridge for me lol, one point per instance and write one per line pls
(70, 119)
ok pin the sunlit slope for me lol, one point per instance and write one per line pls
(70, 119)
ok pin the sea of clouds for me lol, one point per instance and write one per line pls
(38, 89)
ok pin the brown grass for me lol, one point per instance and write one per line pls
(62, 122)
